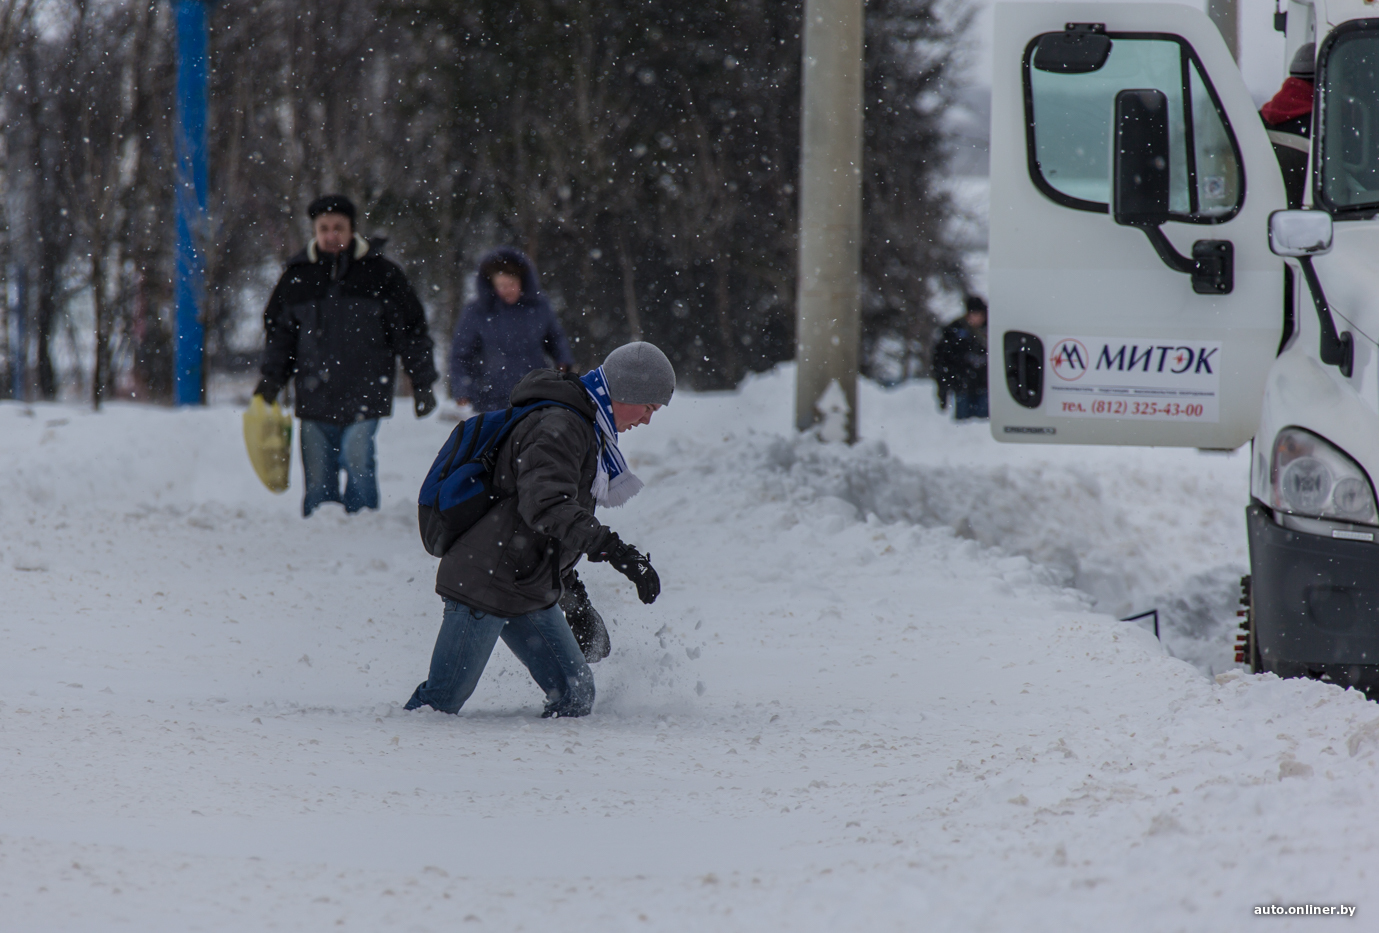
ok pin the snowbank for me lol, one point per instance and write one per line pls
(881, 691)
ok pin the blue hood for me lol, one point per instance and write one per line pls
(488, 299)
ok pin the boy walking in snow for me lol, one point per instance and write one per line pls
(503, 577)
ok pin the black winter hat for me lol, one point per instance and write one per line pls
(331, 204)
(976, 303)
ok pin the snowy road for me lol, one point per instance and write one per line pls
(883, 690)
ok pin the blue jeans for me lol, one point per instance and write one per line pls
(541, 640)
(329, 448)
(970, 405)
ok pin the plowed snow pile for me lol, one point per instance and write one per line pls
(884, 689)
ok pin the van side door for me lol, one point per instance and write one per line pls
(1134, 298)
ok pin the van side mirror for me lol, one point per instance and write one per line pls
(1140, 184)
(1079, 49)
(1140, 180)
(1300, 233)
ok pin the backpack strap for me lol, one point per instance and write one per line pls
(469, 447)
(489, 455)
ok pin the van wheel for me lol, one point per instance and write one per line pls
(1246, 644)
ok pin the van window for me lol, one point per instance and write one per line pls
(1069, 129)
(1349, 76)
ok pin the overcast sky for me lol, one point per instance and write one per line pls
(1261, 59)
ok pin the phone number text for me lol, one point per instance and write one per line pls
(1125, 408)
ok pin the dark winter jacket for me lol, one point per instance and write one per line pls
(496, 343)
(338, 324)
(959, 361)
(1288, 119)
(511, 561)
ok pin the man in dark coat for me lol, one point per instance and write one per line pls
(508, 330)
(959, 362)
(502, 578)
(336, 324)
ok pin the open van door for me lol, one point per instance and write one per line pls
(1134, 298)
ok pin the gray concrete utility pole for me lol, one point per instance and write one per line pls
(830, 220)
(1226, 15)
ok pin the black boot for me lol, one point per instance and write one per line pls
(584, 619)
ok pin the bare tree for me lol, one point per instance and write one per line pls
(15, 16)
(643, 152)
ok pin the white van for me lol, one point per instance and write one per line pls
(1150, 287)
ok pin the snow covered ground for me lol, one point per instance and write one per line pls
(884, 689)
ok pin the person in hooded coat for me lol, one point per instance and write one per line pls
(503, 578)
(504, 333)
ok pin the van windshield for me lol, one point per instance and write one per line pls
(1349, 177)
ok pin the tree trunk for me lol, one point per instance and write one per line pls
(731, 369)
(100, 363)
(49, 255)
(629, 286)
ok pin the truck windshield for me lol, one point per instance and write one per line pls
(1349, 138)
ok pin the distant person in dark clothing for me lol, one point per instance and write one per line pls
(504, 333)
(1288, 118)
(959, 362)
(336, 325)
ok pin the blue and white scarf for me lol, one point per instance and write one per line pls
(615, 483)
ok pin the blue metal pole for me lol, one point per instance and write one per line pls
(190, 135)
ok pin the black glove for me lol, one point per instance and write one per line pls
(631, 563)
(423, 400)
(266, 389)
(584, 619)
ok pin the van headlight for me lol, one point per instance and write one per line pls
(1311, 477)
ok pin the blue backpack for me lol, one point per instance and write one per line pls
(458, 489)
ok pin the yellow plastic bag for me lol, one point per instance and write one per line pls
(268, 438)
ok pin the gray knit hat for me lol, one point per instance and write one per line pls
(639, 374)
(1304, 63)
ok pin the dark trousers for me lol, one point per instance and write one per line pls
(970, 404)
